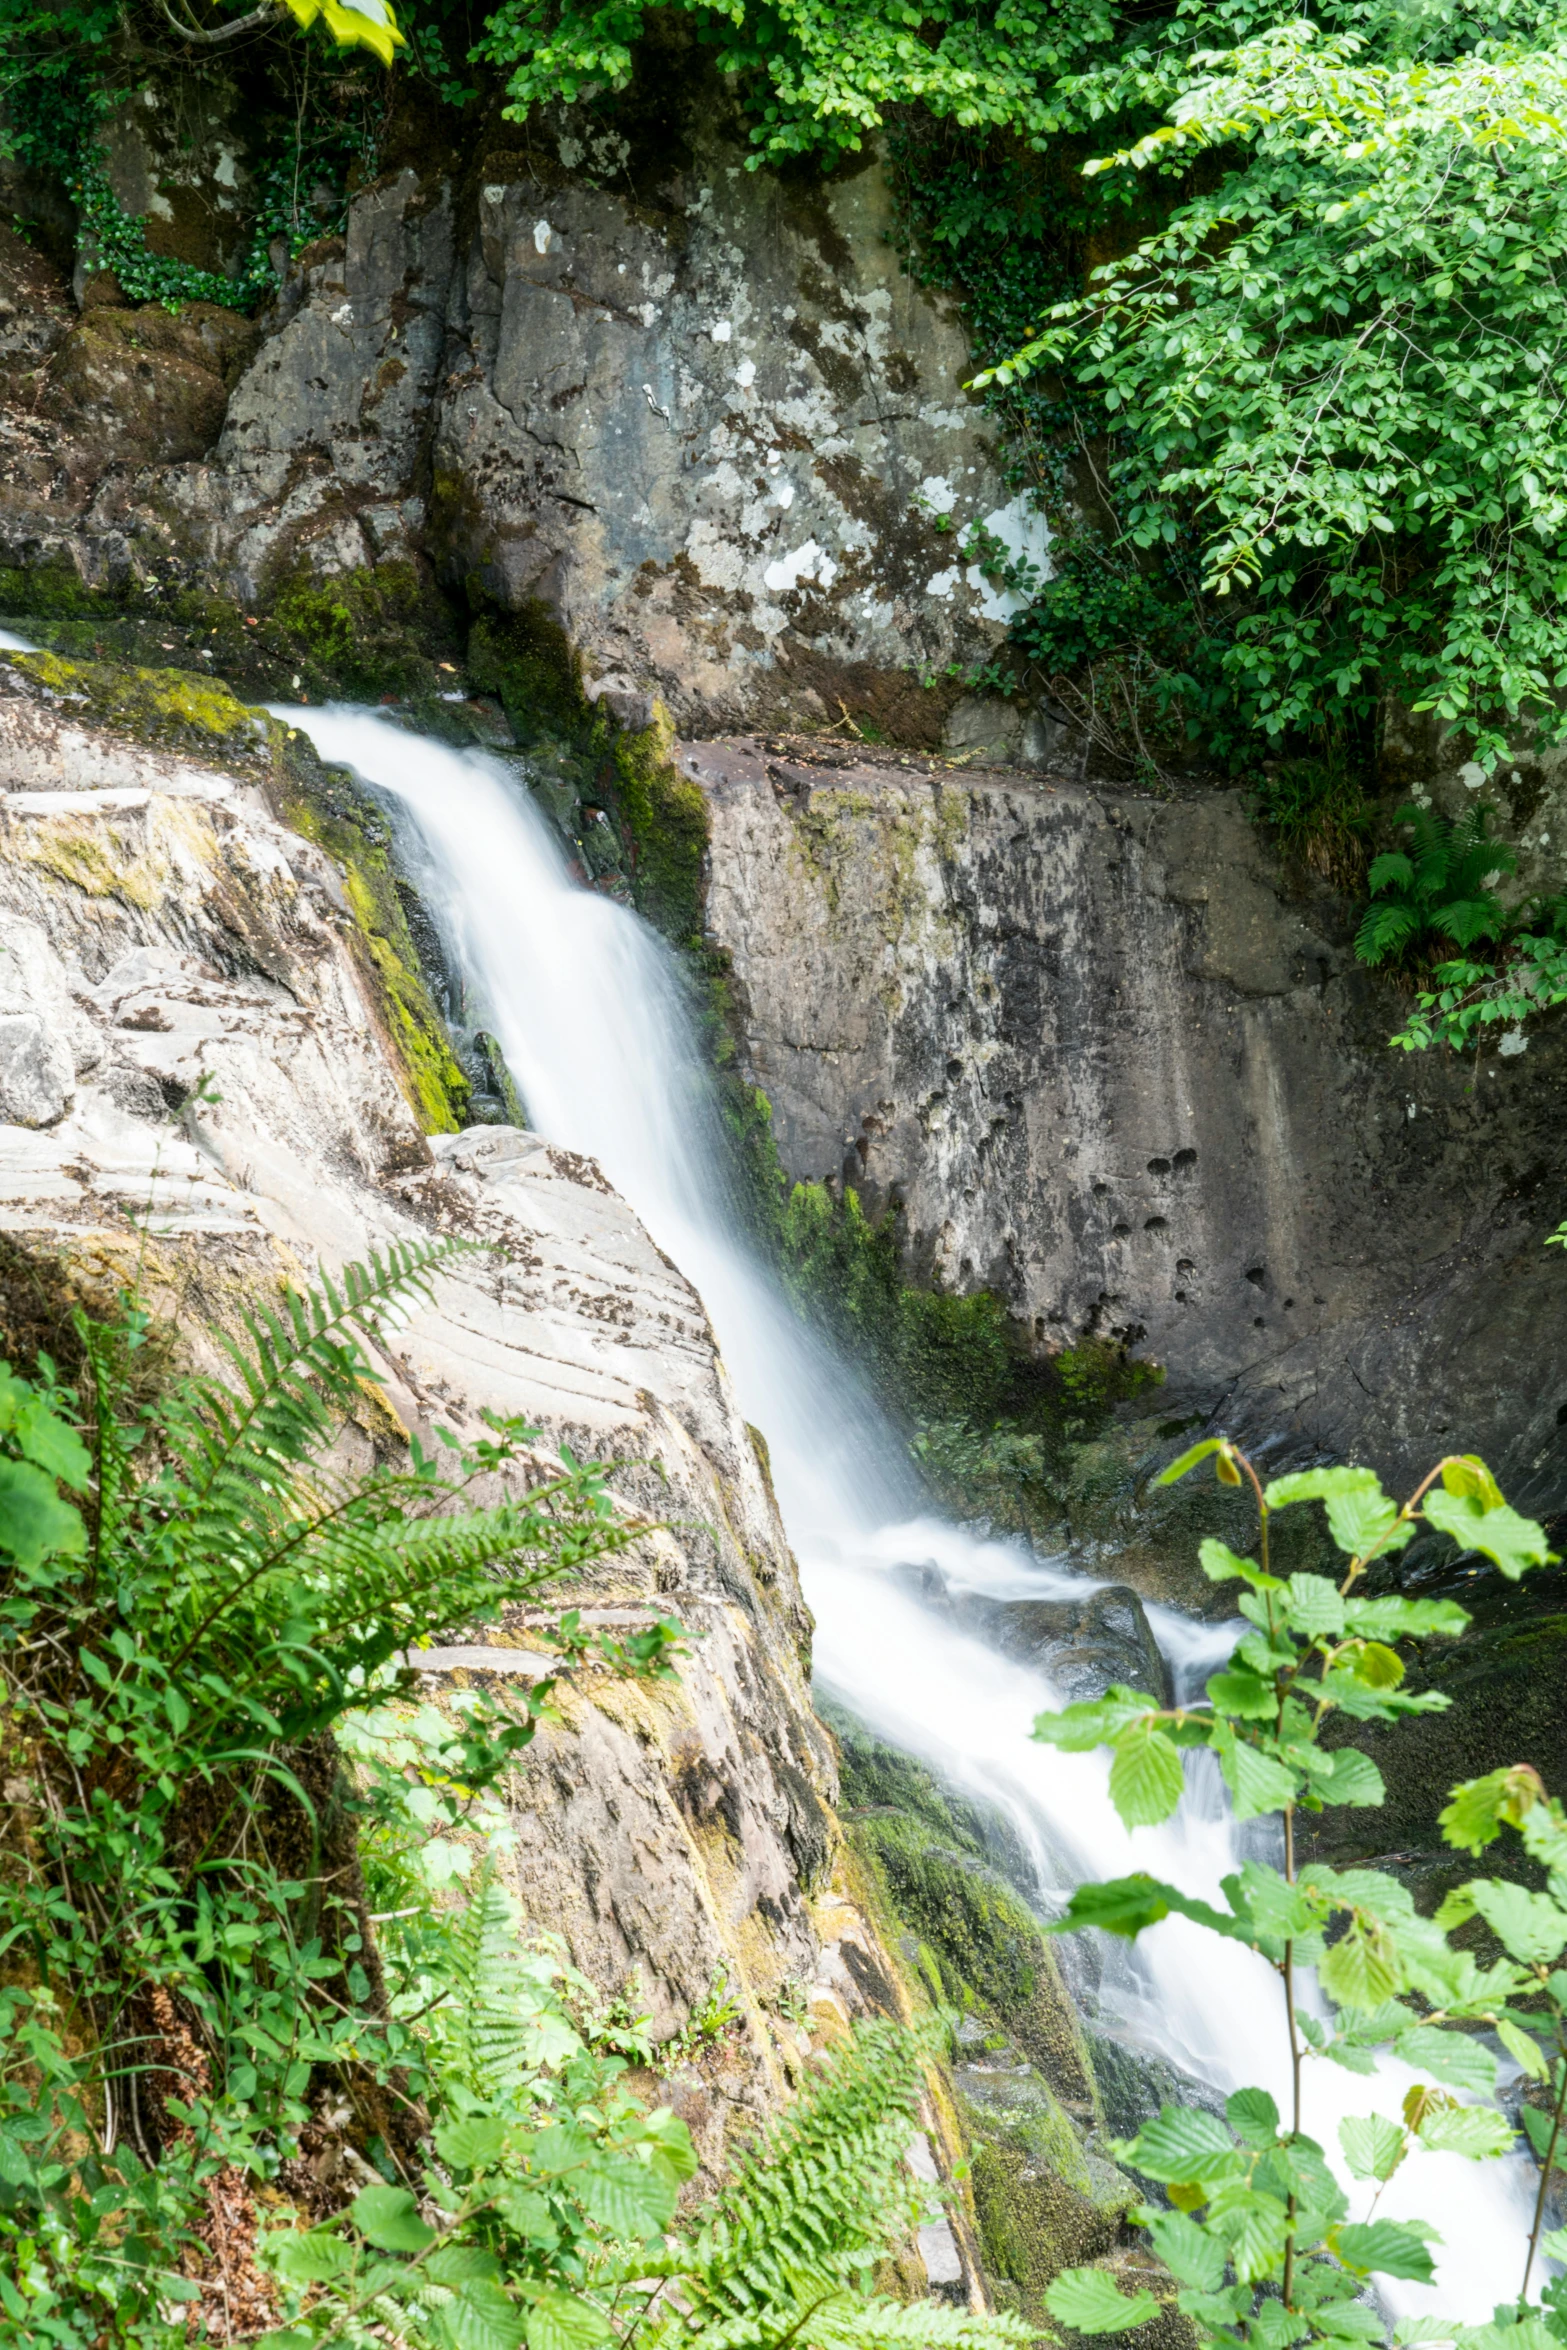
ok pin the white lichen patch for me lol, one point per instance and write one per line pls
(807, 562)
(1025, 534)
(718, 561)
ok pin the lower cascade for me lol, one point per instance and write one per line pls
(586, 1004)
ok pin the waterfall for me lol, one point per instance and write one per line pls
(587, 1006)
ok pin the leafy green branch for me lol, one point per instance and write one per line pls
(1259, 2238)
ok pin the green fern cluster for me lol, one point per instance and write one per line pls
(180, 1631)
(1440, 888)
(786, 2251)
(552, 2219)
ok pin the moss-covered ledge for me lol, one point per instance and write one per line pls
(158, 709)
(172, 711)
(329, 808)
(1043, 2191)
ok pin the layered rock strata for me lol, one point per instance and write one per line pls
(195, 1094)
(1108, 1065)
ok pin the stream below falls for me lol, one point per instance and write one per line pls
(587, 1006)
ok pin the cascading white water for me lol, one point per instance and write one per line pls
(588, 1010)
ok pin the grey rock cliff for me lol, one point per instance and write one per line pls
(194, 1094)
(1110, 1068)
(700, 416)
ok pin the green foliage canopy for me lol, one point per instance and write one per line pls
(1342, 360)
(816, 74)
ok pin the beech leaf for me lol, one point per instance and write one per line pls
(1090, 2302)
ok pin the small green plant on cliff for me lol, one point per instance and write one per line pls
(200, 1619)
(1259, 2236)
(1441, 889)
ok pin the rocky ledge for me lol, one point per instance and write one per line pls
(1111, 1062)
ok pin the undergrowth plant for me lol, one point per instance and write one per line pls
(233, 1929)
(1441, 887)
(547, 2215)
(1258, 2233)
(185, 1952)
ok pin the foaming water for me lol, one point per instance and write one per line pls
(587, 1007)
(14, 644)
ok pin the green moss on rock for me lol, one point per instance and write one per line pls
(332, 811)
(1043, 2201)
(167, 708)
(365, 633)
(665, 817)
(985, 1946)
(1020, 2083)
(525, 660)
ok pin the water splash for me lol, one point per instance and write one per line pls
(587, 1006)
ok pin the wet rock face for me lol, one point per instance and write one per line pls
(715, 433)
(1111, 1069)
(705, 420)
(1080, 1644)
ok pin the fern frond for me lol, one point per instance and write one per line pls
(1384, 930)
(296, 1358)
(230, 1503)
(1391, 870)
(497, 2029)
(819, 2198)
(1468, 919)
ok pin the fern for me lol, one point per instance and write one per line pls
(498, 2028)
(785, 2252)
(1439, 889)
(271, 1588)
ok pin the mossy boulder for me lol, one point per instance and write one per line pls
(1043, 2193)
(174, 711)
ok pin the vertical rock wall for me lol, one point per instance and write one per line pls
(1108, 1066)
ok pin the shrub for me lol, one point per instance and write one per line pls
(1257, 2232)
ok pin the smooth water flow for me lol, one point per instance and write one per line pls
(586, 1004)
